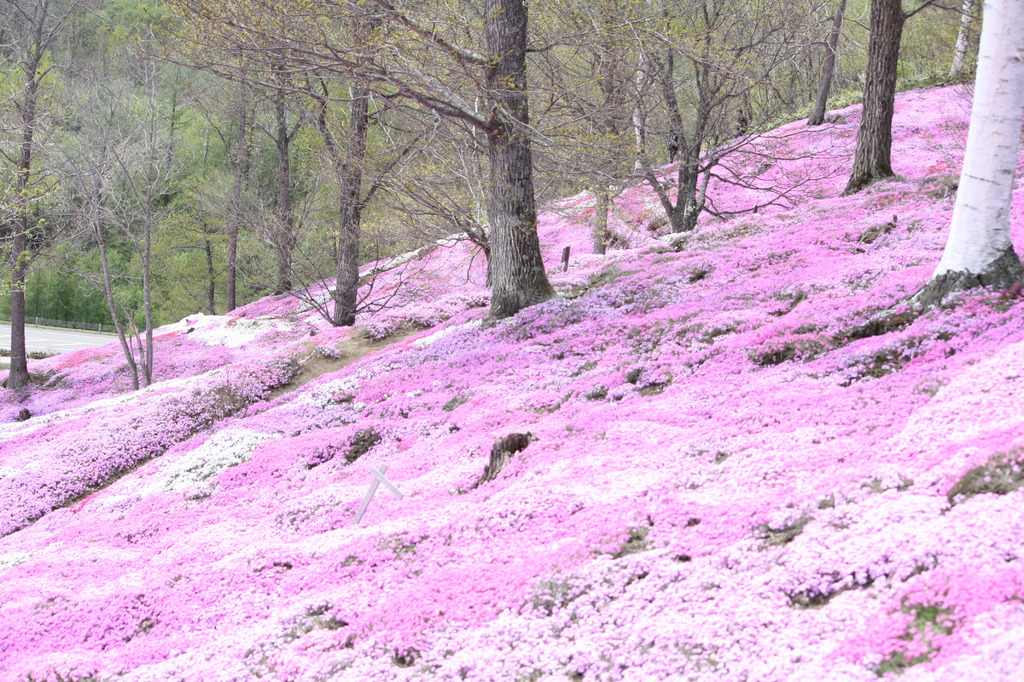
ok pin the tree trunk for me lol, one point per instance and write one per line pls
(285, 239)
(211, 279)
(146, 352)
(108, 287)
(346, 287)
(872, 159)
(677, 135)
(235, 212)
(828, 68)
(518, 272)
(153, 172)
(602, 202)
(18, 375)
(688, 207)
(682, 215)
(639, 113)
(978, 250)
(962, 41)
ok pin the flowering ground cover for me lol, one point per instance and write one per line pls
(748, 459)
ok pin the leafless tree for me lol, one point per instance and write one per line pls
(423, 61)
(828, 68)
(716, 66)
(873, 156)
(121, 163)
(30, 32)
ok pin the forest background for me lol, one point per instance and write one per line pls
(169, 166)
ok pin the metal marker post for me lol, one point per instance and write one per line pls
(378, 478)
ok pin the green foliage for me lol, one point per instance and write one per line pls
(455, 402)
(928, 46)
(781, 535)
(929, 619)
(59, 291)
(553, 595)
(315, 618)
(1001, 474)
(636, 542)
(129, 13)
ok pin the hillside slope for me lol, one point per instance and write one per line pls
(749, 461)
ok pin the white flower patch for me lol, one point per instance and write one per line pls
(200, 326)
(329, 393)
(13, 559)
(428, 341)
(240, 332)
(220, 451)
(8, 471)
(185, 472)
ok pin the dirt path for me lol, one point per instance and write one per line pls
(351, 350)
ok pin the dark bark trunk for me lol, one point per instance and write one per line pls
(235, 216)
(518, 274)
(872, 159)
(146, 344)
(687, 208)
(602, 201)
(146, 351)
(285, 239)
(828, 68)
(18, 375)
(677, 136)
(346, 287)
(501, 452)
(1003, 273)
(211, 279)
(683, 213)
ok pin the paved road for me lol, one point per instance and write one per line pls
(50, 340)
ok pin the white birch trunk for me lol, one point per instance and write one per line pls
(980, 233)
(960, 58)
(639, 113)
